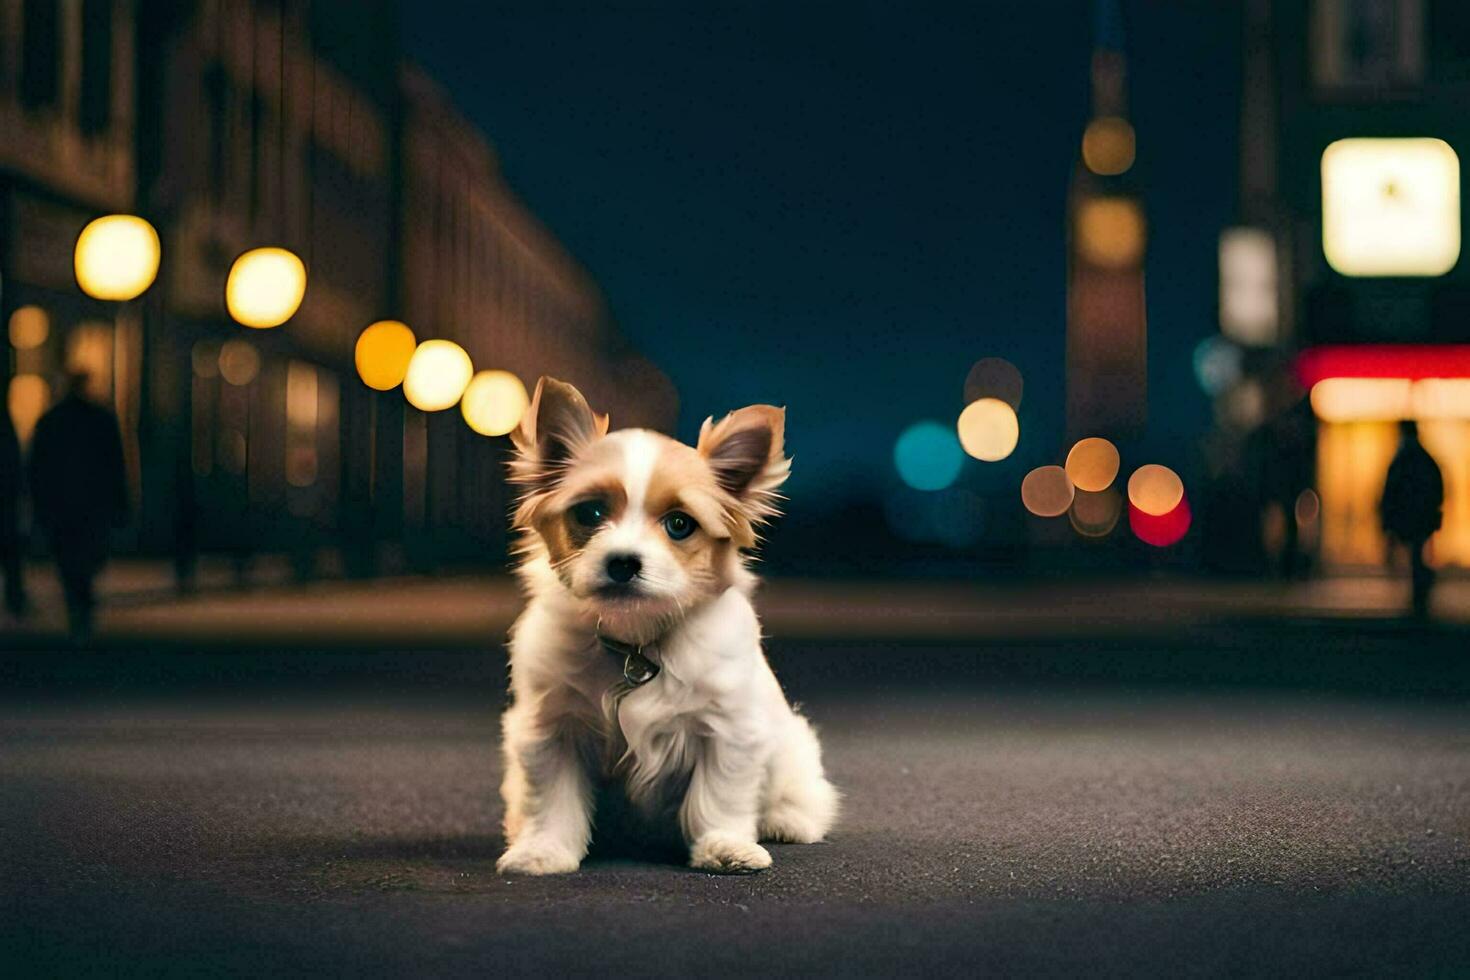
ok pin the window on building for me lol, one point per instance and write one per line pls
(40, 54)
(96, 105)
(1367, 44)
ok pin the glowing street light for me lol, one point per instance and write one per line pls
(988, 429)
(1092, 464)
(265, 287)
(1047, 492)
(382, 354)
(116, 257)
(1107, 146)
(493, 402)
(1155, 490)
(29, 327)
(1111, 231)
(437, 375)
(1391, 207)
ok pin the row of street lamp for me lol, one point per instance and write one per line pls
(117, 258)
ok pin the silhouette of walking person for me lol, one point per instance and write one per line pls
(1412, 508)
(79, 490)
(10, 540)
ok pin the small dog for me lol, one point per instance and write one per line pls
(638, 656)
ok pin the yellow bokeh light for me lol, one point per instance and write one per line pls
(1107, 146)
(382, 354)
(1092, 464)
(26, 401)
(1390, 399)
(437, 375)
(988, 429)
(29, 327)
(1156, 490)
(116, 257)
(1441, 398)
(1360, 399)
(239, 362)
(1046, 491)
(1391, 207)
(493, 402)
(265, 287)
(1249, 290)
(1110, 231)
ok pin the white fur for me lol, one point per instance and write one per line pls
(714, 719)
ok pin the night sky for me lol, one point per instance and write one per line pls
(840, 207)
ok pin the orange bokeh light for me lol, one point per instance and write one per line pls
(1155, 490)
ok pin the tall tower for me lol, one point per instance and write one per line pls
(1107, 335)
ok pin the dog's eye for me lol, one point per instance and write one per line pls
(590, 513)
(678, 525)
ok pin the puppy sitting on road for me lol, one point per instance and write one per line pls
(638, 656)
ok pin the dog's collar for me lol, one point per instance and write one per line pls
(638, 669)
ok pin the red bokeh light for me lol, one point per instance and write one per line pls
(1163, 530)
(1412, 361)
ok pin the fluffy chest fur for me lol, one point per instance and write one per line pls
(713, 682)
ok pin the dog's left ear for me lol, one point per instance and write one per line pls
(745, 450)
(556, 426)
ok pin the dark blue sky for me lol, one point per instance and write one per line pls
(839, 207)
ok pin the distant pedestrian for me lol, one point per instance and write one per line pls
(10, 539)
(1412, 508)
(79, 490)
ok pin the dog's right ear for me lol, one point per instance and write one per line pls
(556, 426)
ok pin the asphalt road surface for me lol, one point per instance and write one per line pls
(180, 813)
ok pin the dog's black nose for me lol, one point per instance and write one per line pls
(623, 568)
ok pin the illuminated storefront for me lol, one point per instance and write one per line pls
(1359, 394)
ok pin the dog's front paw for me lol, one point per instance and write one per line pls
(532, 857)
(728, 855)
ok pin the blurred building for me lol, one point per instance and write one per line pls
(1107, 333)
(472, 256)
(66, 154)
(232, 124)
(1344, 277)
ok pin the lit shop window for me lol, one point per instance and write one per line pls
(1249, 312)
(1391, 207)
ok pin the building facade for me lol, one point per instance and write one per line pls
(237, 124)
(67, 132)
(1343, 293)
(479, 268)
(1107, 323)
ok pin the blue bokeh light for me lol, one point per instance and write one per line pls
(928, 455)
(1217, 364)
